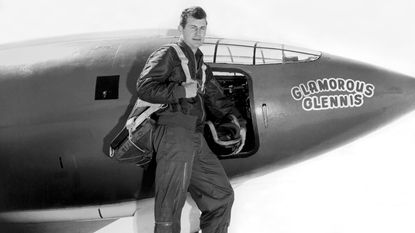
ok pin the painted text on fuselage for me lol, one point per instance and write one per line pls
(332, 93)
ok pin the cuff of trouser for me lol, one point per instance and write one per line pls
(163, 227)
(164, 224)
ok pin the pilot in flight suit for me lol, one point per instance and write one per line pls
(184, 160)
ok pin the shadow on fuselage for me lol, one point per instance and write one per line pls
(147, 179)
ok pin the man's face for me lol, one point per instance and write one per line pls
(194, 32)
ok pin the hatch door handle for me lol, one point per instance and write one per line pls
(265, 115)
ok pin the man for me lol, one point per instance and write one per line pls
(184, 161)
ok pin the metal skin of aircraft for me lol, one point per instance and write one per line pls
(63, 100)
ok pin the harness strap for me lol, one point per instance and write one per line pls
(184, 62)
(203, 76)
(134, 121)
(216, 138)
(185, 67)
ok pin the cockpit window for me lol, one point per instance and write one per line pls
(208, 51)
(268, 55)
(293, 54)
(234, 54)
(254, 53)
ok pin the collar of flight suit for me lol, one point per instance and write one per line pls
(189, 54)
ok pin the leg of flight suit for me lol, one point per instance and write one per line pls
(211, 190)
(175, 149)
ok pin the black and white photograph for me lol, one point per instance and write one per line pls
(214, 116)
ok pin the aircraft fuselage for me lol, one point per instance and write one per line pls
(56, 123)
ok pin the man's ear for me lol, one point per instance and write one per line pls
(180, 28)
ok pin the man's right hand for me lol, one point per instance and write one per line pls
(190, 89)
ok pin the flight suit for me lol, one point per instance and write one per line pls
(184, 160)
(185, 163)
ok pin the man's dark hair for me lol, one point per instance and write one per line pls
(195, 12)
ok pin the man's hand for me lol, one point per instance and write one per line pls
(243, 138)
(190, 89)
(130, 124)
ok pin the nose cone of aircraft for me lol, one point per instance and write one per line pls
(334, 100)
(378, 95)
(385, 94)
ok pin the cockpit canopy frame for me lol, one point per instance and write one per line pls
(254, 53)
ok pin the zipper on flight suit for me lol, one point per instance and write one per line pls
(203, 108)
(184, 177)
(200, 97)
